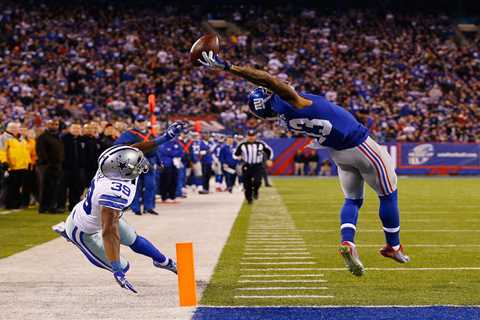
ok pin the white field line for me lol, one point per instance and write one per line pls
(283, 297)
(318, 275)
(274, 240)
(276, 263)
(368, 269)
(277, 254)
(266, 249)
(280, 288)
(277, 258)
(407, 245)
(9, 211)
(283, 281)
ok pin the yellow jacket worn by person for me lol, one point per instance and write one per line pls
(14, 152)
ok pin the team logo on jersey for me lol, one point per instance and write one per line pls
(421, 154)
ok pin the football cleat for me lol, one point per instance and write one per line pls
(60, 229)
(352, 260)
(171, 265)
(397, 255)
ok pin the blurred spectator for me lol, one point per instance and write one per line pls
(74, 176)
(15, 155)
(167, 152)
(183, 165)
(326, 168)
(50, 153)
(30, 185)
(229, 163)
(108, 137)
(92, 148)
(312, 160)
(299, 163)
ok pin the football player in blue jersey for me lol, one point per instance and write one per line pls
(358, 157)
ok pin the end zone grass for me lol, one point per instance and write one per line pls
(439, 230)
(24, 229)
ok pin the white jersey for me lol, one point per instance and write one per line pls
(103, 192)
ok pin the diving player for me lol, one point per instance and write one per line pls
(358, 157)
(96, 225)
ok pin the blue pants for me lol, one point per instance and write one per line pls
(181, 175)
(146, 189)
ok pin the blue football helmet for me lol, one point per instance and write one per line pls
(260, 103)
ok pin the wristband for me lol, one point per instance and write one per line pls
(116, 266)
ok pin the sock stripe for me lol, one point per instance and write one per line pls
(348, 225)
(391, 230)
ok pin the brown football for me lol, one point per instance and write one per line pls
(206, 43)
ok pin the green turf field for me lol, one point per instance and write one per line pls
(282, 250)
(24, 229)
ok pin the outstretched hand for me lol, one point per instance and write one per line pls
(123, 282)
(213, 60)
(176, 128)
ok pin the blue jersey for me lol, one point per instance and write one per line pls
(169, 150)
(331, 125)
(226, 155)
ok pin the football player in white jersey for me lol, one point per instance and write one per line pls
(96, 225)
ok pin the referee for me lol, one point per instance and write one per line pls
(253, 153)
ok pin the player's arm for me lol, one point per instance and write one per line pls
(172, 131)
(258, 77)
(111, 243)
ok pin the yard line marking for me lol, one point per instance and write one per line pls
(291, 249)
(283, 281)
(282, 297)
(283, 269)
(370, 269)
(277, 258)
(9, 211)
(276, 263)
(280, 288)
(409, 245)
(318, 275)
(277, 254)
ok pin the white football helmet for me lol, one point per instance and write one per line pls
(122, 162)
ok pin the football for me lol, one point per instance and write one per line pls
(205, 43)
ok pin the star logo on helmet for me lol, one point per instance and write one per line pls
(122, 165)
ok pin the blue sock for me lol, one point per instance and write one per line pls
(198, 181)
(390, 216)
(219, 178)
(145, 247)
(348, 218)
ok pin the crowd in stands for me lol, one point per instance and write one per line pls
(53, 165)
(408, 77)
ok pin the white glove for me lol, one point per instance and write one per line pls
(212, 60)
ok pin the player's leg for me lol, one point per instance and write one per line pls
(248, 184)
(379, 172)
(91, 246)
(352, 185)
(141, 245)
(257, 180)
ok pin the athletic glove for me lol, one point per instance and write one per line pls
(175, 128)
(212, 60)
(119, 276)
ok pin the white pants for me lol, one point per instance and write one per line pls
(365, 162)
(92, 244)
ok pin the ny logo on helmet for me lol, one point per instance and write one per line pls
(258, 103)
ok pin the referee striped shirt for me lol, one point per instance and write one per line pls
(253, 152)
